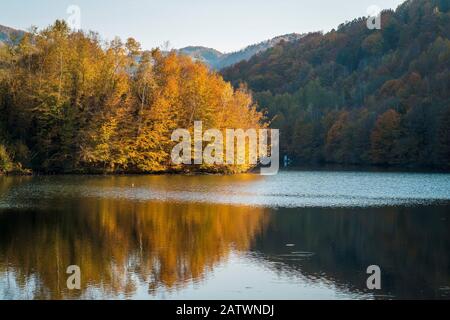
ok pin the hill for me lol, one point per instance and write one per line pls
(360, 96)
(8, 34)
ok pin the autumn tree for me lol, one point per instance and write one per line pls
(73, 103)
(384, 136)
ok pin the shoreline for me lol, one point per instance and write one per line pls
(319, 168)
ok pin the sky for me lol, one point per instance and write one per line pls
(227, 25)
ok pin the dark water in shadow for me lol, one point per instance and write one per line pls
(243, 237)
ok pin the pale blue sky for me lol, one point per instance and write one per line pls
(224, 25)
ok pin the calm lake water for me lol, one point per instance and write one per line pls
(297, 235)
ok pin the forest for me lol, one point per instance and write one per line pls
(355, 96)
(73, 103)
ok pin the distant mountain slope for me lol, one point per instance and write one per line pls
(213, 58)
(218, 60)
(7, 34)
(360, 96)
(209, 56)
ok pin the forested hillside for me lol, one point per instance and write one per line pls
(71, 103)
(360, 96)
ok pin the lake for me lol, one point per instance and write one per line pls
(296, 235)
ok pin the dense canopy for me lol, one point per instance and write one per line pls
(72, 103)
(360, 96)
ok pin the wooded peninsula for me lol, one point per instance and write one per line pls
(71, 103)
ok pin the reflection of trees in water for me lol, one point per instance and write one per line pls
(411, 245)
(121, 244)
(7, 183)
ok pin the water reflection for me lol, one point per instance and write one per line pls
(287, 189)
(410, 244)
(129, 247)
(120, 245)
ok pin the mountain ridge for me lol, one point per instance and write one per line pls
(218, 60)
(213, 58)
(7, 33)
